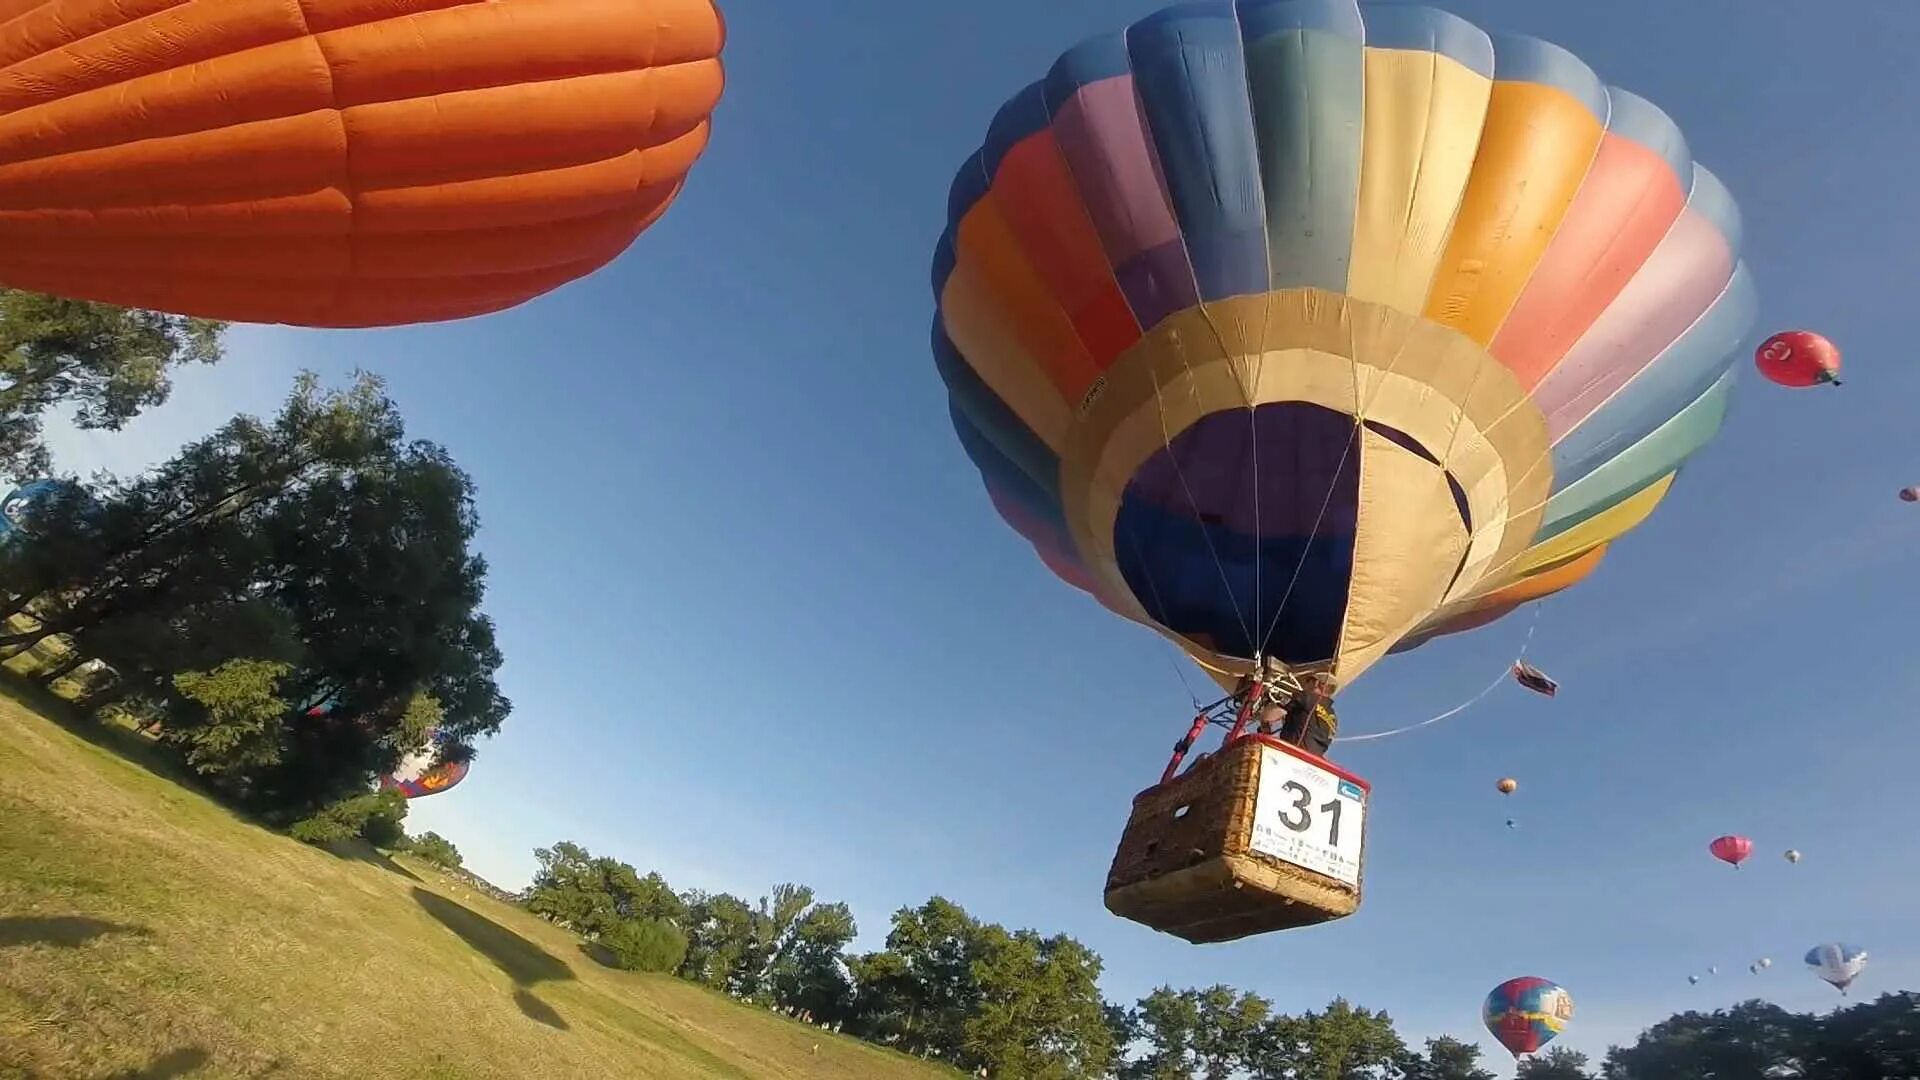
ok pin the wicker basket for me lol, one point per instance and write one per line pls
(1186, 864)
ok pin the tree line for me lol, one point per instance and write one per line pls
(1017, 1003)
(289, 605)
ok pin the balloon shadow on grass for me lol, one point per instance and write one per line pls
(60, 931)
(524, 962)
(168, 1066)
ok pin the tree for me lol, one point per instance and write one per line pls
(375, 816)
(1448, 1059)
(192, 530)
(106, 363)
(651, 945)
(1559, 1063)
(321, 539)
(811, 972)
(917, 994)
(1872, 1039)
(597, 895)
(240, 727)
(720, 932)
(436, 849)
(1341, 1043)
(1214, 1033)
(1746, 1041)
(1039, 1012)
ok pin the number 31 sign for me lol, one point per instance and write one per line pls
(1308, 816)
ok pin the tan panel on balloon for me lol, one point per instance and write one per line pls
(1408, 542)
(1367, 360)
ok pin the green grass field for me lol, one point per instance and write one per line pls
(146, 933)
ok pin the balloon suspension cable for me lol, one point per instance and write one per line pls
(1505, 674)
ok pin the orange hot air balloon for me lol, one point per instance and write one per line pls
(341, 162)
(1508, 786)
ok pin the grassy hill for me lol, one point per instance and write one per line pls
(148, 934)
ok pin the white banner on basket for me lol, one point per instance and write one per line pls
(1310, 817)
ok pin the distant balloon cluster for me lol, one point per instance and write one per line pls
(1838, 964)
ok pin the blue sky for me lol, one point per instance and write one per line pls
(762, 624)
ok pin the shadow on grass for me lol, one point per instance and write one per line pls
(124, 743)
(361, 851)
(168, 1066)
(524, 962)
(60, 931)
(599, 954)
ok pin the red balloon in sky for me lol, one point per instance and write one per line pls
(1798, 358)
(1731, 849)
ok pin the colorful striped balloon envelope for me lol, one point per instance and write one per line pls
(1526, 1013)
(1310, 330)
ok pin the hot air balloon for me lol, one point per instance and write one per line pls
(1798, 358)
(1764, 963)
(1508, 786)
(1713, 971)
(1693, 980)
(1911, 494)
(1731, 849)
(1792, 856)
(1512, 824)
(1303, 335)
(1525, 1014)
(342, 164)
(1838, 964)
(423, 773)
(18, 505)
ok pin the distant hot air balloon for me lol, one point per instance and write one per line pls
(1150, 294)
(1764, 963)
(1731, 849)
(422, 773)
(1837, 963)
(1526, 1013)
(1508, 786)
(18, 505)
(1713, 970)
(1911, 494)
(1792, 856)
(1693, 980)
(342, 163)
(1798, 358)
(1512, 824)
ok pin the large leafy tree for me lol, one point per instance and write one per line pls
(1747, 1040)
(720, 935)
(103, 362)
(1448, 1059)
(1039, 1013)
(596, 895)
(1341, 1042)
(322, 540)
(917, 993)
(1557, 1063)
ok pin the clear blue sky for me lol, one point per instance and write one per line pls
(762, 625)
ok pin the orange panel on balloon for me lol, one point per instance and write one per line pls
(341, 162)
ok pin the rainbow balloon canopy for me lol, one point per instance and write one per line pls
(1526, 1013)
(1312, 330)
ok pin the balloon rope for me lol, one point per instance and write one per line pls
(1463, 706)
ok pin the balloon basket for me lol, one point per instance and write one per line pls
(1258, 837)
